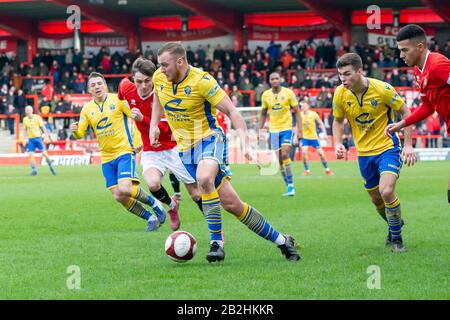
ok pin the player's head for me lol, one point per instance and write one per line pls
(412, 43)
(350, 69)
(172, 58)
(142, 71)
(29, 111)
(96, 85)
(275, 79)
(304, 104)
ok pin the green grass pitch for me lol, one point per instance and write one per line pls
(49, 223)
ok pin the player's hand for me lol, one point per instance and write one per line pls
(248, 155)
(340, 151)
(392, 128)
(154, 136)
(136, 114)
(74, 126)
(25, 142)
(138, 149)
(408, 155)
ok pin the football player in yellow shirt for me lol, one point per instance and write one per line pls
(310, 137)
(110, 118)
(277, 102)
(189, 98)
(34, 127)
(369, 106)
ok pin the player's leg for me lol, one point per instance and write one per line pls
(32, 163)
(369, 171)
(126, 175)
(254, 220)
(173, 162)
(389, 166)
(175, 185)
(287, 165)
(276, 147)
(305, 147)
(324, 161)
(49, 162)
(153, 177)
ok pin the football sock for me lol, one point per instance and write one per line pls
(394, 218)
(32, 164)
(211, 211)
(137, 209)
(288, 168)
(175, 183)
(448, 195)
(381, 209)
(306, 164)
(259, 225)
(162, 196)
(283, 173)
(324, 162)
(140, 195)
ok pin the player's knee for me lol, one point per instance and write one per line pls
(154, 185)
(206, 183)
(386, 192)
(119, 197)
(124, 191)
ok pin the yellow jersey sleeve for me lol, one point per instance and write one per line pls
(264, 103)
(293, 99)
(391, 97)
(338, 110)
(83, 124)
(124, 107)
(210, 90)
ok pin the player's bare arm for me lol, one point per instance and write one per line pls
(408, 154)
(226, 107)
(338, 132)
(157, 113)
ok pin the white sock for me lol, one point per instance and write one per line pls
(220, 242)
(172, 204)
(280, 240)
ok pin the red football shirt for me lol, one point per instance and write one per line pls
(128, 91)
(434, 87)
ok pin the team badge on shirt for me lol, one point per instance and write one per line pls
(112, 107)
(161, 88)
(373, 103)
(187, 90)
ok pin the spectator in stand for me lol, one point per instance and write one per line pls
(235, 101)
(320, 51)
(259, 89)
(48, 90)
(79, 84)
(376, 72)
(309, 57)
(21, 102)
(27, 84)
(434, 128)
(3, 106)
(42, 70)
(235, 93)
(330, 54)
(324, 82)
(10, 123)
(273, 50)
(231, 81)
(308, 83)
(295, 83)
(286, 59)
(321, 99)
(105, 63)
(219, 53)
(303, 94)
(3, 90)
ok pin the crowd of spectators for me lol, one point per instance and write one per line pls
(300, 63)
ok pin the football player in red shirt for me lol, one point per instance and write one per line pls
(155, 160)
(432, 72)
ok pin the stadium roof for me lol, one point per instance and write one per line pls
(54, 10)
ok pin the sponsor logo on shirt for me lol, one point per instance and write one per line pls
(213, 90)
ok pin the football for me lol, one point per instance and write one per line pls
(181, 246)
